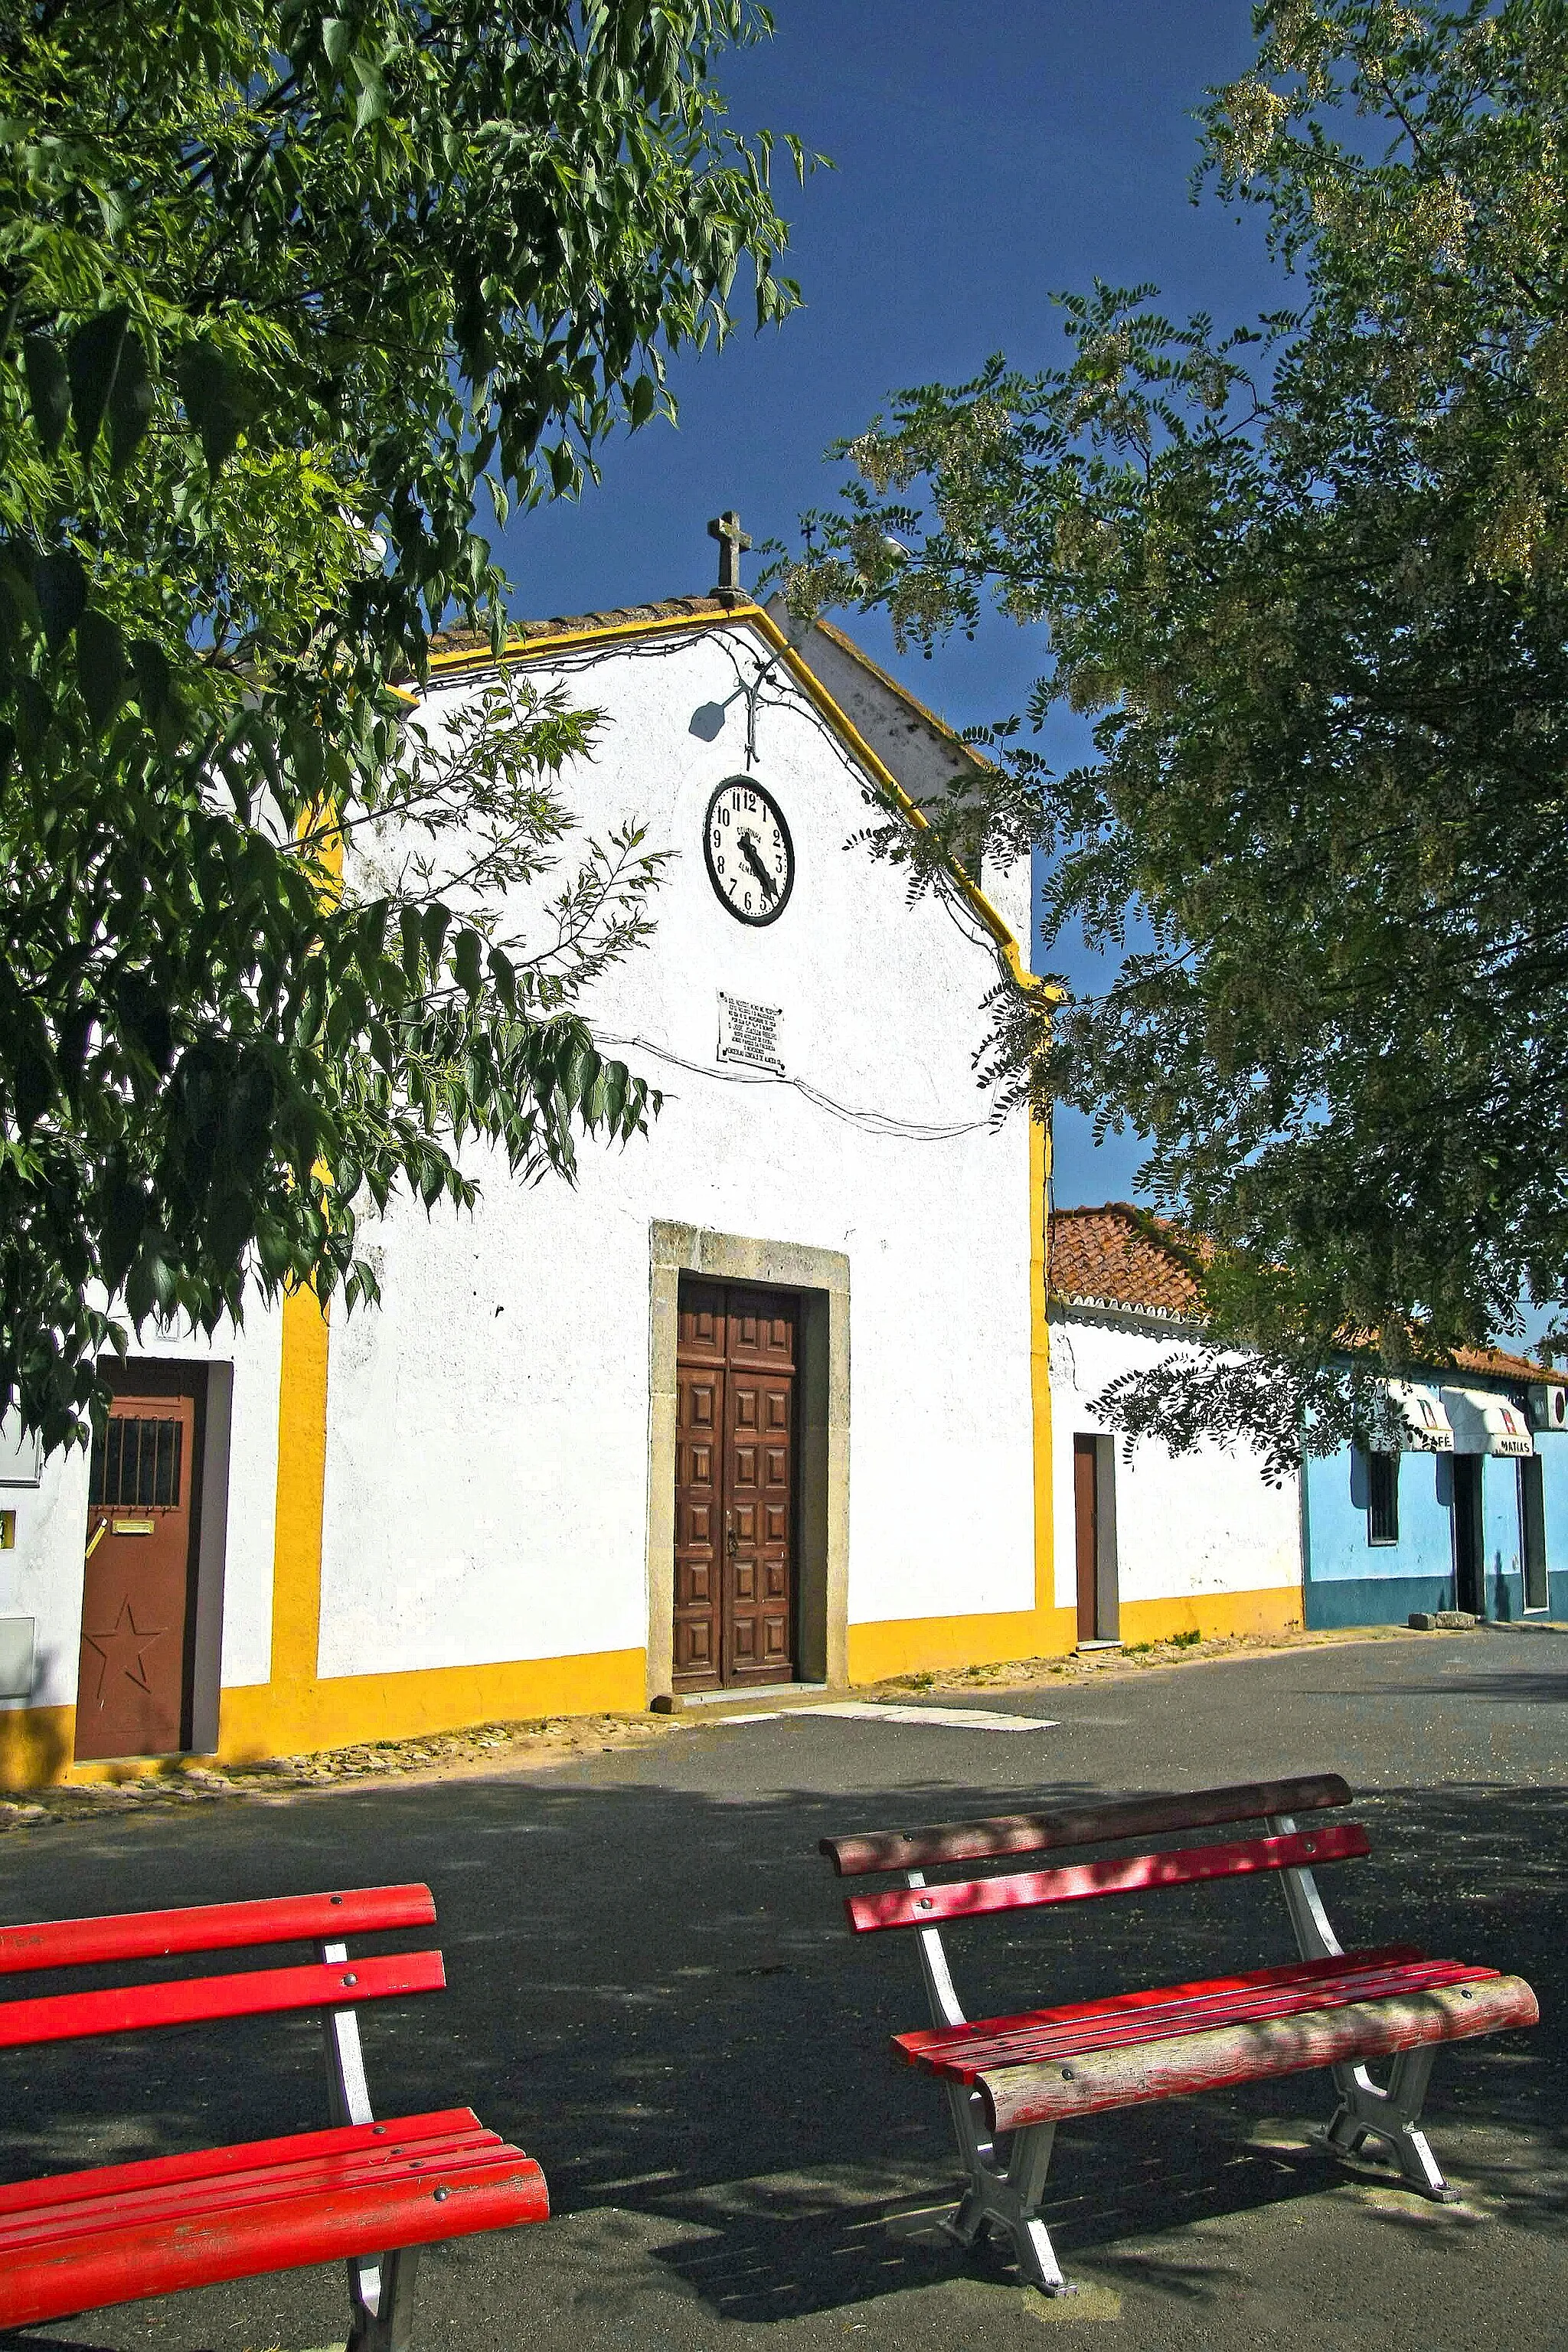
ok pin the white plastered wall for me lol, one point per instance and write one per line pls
(1189, 1524)
(488, 1427)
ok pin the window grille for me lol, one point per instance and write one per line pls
(136, 1465)
(1383, 1499)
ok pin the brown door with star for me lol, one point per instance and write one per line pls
(133, 1694)
(734, 1486)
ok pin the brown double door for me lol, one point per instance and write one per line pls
(734, 1486)
(133, 1692)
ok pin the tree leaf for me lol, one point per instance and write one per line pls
(48, 389)
(221, 400)
(100, 666)
(60, 585)
(466, 962)
(93, 362)
(129, 404)
(31, 1084)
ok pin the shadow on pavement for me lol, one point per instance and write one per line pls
(653, 1991)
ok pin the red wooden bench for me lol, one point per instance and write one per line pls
(75, 2240)
(1022, 2075)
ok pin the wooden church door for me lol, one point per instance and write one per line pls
(137, 1586)
(734, 1486)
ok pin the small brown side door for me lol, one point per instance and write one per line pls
(1086, 1531)
(137, 1586)
(734, 1486)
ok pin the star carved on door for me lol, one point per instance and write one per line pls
(123, 1650)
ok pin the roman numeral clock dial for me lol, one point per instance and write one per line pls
(751, 858)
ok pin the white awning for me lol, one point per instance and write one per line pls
(1484, 1423)
(1427, 1429)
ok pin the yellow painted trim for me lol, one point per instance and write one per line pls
(263, 1720)
(35, 1746)
(603, 632)
(910, 1645)
(302, 1491)
(1272, 1609)
(1040, 1372)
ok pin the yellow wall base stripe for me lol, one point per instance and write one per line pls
(279, 1719)
(36, 1743)
(912, 1646)
(264, 1720)
(1275, 1609)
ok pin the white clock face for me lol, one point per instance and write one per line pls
(751, 859)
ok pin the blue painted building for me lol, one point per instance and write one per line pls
(1473, 1514)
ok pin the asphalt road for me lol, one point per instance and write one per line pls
(653, 1991)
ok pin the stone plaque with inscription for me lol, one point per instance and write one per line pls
(749, 1033)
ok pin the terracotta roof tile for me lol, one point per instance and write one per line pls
(1123, 1256)
(668, 608)
(1120, 1256)
(1504, 1367)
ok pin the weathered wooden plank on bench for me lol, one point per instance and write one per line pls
(1119, 1817)
(973, 1898)
(216, 1927)
(1094, 2080)
(960, 2053)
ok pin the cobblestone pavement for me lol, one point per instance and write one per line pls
(652, 1991)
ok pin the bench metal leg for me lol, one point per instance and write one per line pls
(381, 2287)
(1006, 2197)
(382, 2299)
(1365, 2111)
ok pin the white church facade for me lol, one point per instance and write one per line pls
(764, 1398)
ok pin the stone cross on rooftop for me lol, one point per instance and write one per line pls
(733, 543)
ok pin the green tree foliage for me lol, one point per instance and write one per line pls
(1308, 579)
(284, 294)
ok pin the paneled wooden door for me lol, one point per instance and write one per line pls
(734, 1486)
(137, 1586)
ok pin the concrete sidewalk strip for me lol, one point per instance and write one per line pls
(952, 1718)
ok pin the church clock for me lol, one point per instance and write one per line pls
(751, 858)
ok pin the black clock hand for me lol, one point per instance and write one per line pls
(749, 852)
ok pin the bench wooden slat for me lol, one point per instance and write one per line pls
(139, 2260)
(212, 2163)
(971, 1899)
(1119, 1817)
(987, 2051)
(934, 2038)
(1095, 2080)
(258, 1993)
(216, 1927)
(178, 2202)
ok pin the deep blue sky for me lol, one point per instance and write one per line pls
(988, 155)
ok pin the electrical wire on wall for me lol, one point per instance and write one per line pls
(869, 1122)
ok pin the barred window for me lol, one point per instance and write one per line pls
(136, 1465)
(1383, 1499)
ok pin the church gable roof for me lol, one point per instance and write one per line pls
(458, 652)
